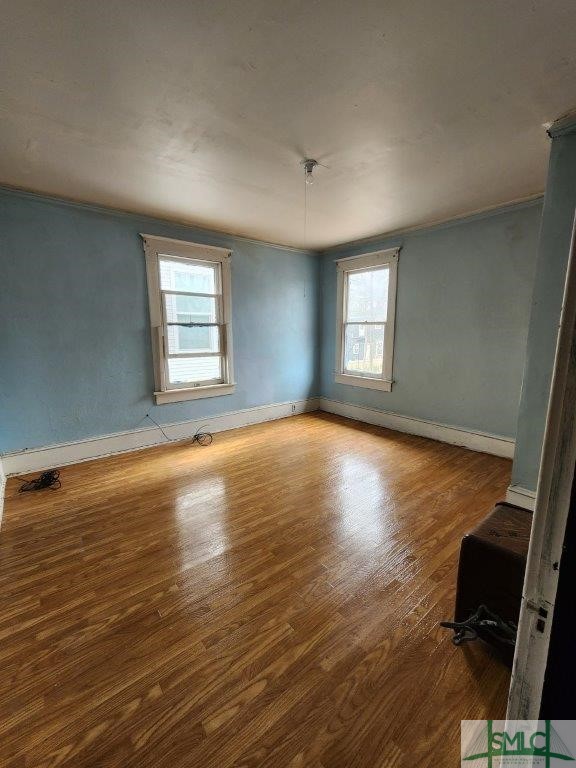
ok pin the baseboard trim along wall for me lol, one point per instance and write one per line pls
(2, 489)
(36, 459)
(521, 497)
(60, 455)
(475, 441)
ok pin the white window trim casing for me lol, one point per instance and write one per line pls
(350, 264)
(154, 247)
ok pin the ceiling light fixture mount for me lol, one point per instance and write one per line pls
(309, 166)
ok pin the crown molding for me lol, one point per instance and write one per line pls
(197, 229)
(495, 210)
(563, 126)
(465, 218)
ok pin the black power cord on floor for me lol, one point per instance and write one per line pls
(484, 620)
(201, 436)
(49, 479)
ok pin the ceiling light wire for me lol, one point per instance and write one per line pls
(309, 166)
(305, 212)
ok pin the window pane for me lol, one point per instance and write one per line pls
(364, 349)
(184, 276)
(187, 370)
(367, 296)
(190, 309)
(182, 339)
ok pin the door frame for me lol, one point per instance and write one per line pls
(551, 510)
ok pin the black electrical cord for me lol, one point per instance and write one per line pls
(201, 437)
(49, 479)
(483, 620)
(158, 425)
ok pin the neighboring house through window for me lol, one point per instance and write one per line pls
(190, 317)
(365, 324)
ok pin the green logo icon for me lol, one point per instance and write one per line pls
(535, 740)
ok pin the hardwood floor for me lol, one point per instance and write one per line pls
(269, 601)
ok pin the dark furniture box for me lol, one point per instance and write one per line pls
(491, 569)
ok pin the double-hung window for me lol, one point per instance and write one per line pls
(190, 318)
(365, 323)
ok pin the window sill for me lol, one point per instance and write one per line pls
(193, 393)
(360, 381)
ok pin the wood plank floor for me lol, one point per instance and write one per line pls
(269, 601)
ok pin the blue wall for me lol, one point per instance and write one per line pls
(553, 252)
(75, 353)
(462, 312)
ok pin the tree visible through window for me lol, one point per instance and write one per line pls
(365, 324)
(366, 293)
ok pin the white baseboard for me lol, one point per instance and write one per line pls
(36, 459)
(521, 497)
(475, 441)
(50, 456)
(2, 490)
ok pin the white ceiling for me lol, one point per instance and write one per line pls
(201, 110)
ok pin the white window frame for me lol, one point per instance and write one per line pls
(344, 267)
(165, 247)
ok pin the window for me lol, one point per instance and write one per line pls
(190, 316)
(366, 307)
